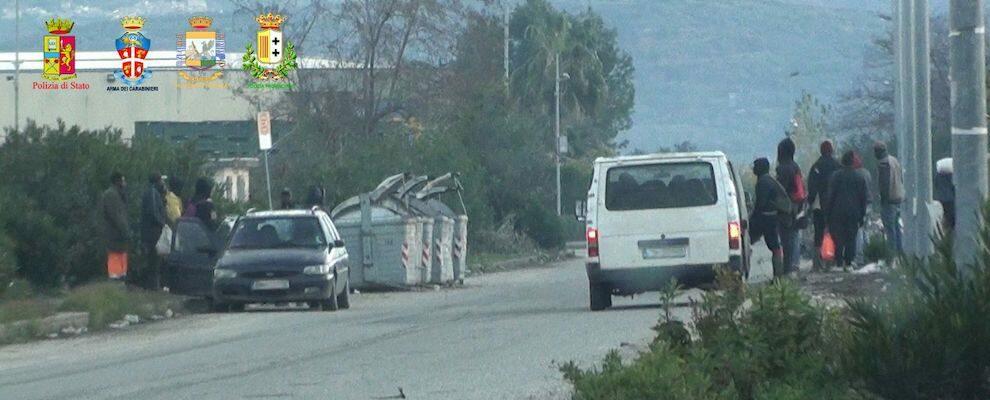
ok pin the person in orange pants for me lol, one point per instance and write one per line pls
(116, 228)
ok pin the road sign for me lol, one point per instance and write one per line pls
(563, 145)
(264, 130)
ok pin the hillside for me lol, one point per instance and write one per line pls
(719, 73)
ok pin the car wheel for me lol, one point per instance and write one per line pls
(218, 307)
(237, 307)
(331, 304)
(344, 299)
(600, 295)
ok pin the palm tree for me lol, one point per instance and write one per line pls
(547, 36)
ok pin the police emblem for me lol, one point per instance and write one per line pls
(59, 51)
(132, 47)
(275, 57)
(200, 50)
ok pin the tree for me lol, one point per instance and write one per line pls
(866, 114)
(809, 127)
(386, 36)
(597, 91)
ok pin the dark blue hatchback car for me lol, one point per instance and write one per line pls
(270, 257)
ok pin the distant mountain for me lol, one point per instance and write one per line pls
(725, 74)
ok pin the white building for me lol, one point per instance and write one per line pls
(223, 100)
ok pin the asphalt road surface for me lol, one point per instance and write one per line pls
(499, 338)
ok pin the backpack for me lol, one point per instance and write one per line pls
(781, 201)
(190, 211)
(800, 194)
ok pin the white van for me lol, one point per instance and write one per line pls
(655, 217)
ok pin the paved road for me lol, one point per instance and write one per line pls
(496, 339)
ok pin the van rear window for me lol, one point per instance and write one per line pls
(655, 186)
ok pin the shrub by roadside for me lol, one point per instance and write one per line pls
(926, 337)
(767, 344)
(107, 302)
(931, 337)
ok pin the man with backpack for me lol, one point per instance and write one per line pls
(890, 181)
(770, 198)
(789, 176)
(821, 172)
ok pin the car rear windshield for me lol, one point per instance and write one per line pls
(278, 232)
(656, 186)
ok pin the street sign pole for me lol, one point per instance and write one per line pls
(556, 130)
(265, 144)
(268, 180)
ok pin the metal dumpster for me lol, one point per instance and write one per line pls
(426, 247)
(402, 234)
(442, 270)
(459, 252)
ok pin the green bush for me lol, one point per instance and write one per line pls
(659, 374)
(107, 302)
(930, 337)
(18, 289)
(8, 263)
(49, 193)
(877, 250)
(19, 310)
(768, 344)
(543, 225)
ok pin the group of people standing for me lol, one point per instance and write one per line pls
(834, 200)
(161, 207)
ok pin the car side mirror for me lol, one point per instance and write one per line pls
(338, 243)
(581, 210)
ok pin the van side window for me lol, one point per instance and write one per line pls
(657, 186)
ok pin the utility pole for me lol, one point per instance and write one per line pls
(17, 65)
(900, 80)
(907, 110)
(912, 122)
(556, 142)
(967, 71)
(922, 165)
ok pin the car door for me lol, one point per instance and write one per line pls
(743, 208)
(338, 254)
(189, 265)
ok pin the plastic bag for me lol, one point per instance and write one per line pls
(164, 245)
(828, 248)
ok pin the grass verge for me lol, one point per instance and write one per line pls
(107, 302)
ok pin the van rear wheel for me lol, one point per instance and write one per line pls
(600, 295)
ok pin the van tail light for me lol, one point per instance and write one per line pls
(735, 235)
(592, 237)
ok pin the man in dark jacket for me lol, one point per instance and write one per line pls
(789, 176)
(890, 182)
(116, 228)
(152, 221)
(845, 208)
(763, 220)
(818, 178)
(202, 206)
